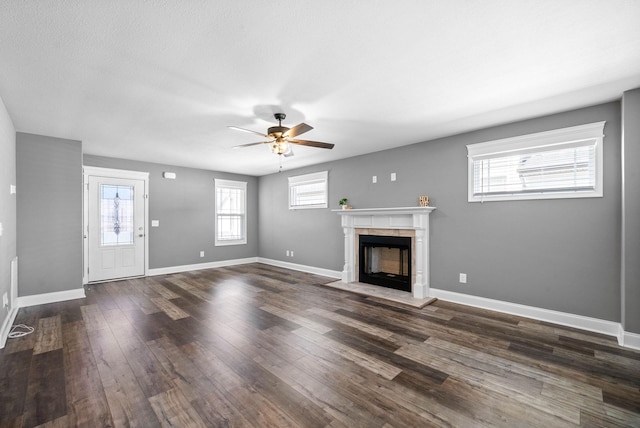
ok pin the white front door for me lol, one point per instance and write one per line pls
(115, 228)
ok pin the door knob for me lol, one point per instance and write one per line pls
(141, 235)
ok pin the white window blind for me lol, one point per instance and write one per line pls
(563, 163)
(231, 218)
(308, 191)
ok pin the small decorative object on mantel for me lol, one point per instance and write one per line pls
(343, 203)
(423, 201)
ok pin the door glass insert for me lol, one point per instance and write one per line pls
(116, 215)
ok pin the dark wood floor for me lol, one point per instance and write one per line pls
(256, 345)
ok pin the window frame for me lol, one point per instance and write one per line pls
(591, 134)
(230, 184)
(312, 178)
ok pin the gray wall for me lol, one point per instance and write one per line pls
(631, 211)
(49, 207)
(7, 204)
(557, 254)
(185, 209)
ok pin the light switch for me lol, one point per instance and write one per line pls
(12, 189)
(374, 179)
(155, 223)
(393, 176)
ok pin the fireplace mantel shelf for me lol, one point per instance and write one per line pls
(385, 211)
(396, 218)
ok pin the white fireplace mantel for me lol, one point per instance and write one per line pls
(407, 218)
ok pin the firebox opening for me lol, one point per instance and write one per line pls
(385, 261)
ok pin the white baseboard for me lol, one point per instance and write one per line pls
(596, 325)
(199, 266)
(629, 340)
(6, 325)
(43, 299)
(302, 268)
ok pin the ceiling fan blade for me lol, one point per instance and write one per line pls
(312, 144)
(251, 144)
(248, 130)
(300, 128)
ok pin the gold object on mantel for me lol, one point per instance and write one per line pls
(423, 201)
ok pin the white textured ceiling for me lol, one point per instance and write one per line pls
(160, 81)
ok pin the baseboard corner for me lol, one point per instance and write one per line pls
(629, 340)
(6, 325)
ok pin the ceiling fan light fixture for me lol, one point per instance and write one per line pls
(281, 138)
(280, 147)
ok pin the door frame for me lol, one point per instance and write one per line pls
(95, 171)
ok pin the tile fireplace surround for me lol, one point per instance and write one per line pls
(408, 221)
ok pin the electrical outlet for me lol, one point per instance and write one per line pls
(287, 253)
(463, 278)
(393, 176)
(201, 253)
(291, 253)
(374, 179)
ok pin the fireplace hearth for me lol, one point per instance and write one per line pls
(385, 261)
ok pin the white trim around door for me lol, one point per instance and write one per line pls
(91, 171)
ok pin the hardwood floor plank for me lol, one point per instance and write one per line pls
(61, 422)
(86, 401)
(215, 411)
(48, 335)
(190, 288)
(591, 420)
(232, 348)
(14, 379)
(183, 372)
(173, 410)
(395, 326)
(172, 311)
(408, 366)
(380, 398)
(618, 414)
(222, 377)
(162, 291)
(46, 397)
(150, 374)
(254, 406)
(367, 328)
(257, 345)
(127, 402)
(479, 379)
(334, 404)
(385, 370)
(301, 321)
(93, 318)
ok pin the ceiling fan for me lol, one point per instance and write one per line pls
(280, 137)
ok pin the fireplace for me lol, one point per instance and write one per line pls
(411, 222)
(385, 261)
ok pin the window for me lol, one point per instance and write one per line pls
(116, 215)
(563, 163)
(308, 191)
(231, 212)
